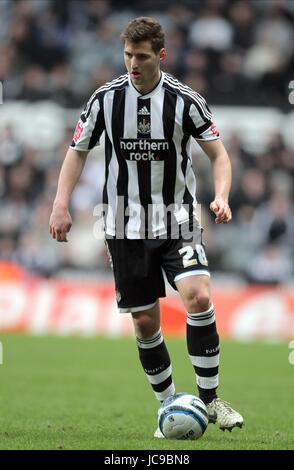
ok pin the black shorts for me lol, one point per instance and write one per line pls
(138, 264)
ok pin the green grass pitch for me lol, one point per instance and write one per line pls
(90, 393)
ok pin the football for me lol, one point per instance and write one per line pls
(182, 416)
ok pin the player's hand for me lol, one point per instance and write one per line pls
(60, 224)
(222, 211)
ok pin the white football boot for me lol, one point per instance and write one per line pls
(158, 434)
(221, 413)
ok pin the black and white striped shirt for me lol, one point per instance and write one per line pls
(147, 151)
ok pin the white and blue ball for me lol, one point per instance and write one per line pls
(182, 416)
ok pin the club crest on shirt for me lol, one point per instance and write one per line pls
(144, 126)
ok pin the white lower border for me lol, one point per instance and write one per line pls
(200, 272)
(137, 309)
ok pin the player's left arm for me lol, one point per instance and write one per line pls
(222, 178)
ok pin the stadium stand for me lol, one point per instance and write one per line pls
(239, 55)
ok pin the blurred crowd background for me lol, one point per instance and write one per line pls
(236, 53)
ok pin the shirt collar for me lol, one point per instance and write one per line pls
(151, 93)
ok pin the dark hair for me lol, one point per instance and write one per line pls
(144, 28)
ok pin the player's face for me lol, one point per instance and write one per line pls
(143, 64)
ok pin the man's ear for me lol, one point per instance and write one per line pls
(162, 54)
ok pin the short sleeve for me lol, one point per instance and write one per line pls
(201, 120)
(90, 125)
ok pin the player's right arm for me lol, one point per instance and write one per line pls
(60, 219)
(88, 131)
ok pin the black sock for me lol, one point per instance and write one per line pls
(156, 363)
(203, 348)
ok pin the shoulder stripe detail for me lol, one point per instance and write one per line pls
(122, 80)
(185, 88)
(117, 82)
(196, 97)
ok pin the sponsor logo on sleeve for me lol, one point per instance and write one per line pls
(78, 132)
(214, 129)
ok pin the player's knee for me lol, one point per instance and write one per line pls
(203, 301)
(198, 300)
(145, 326)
